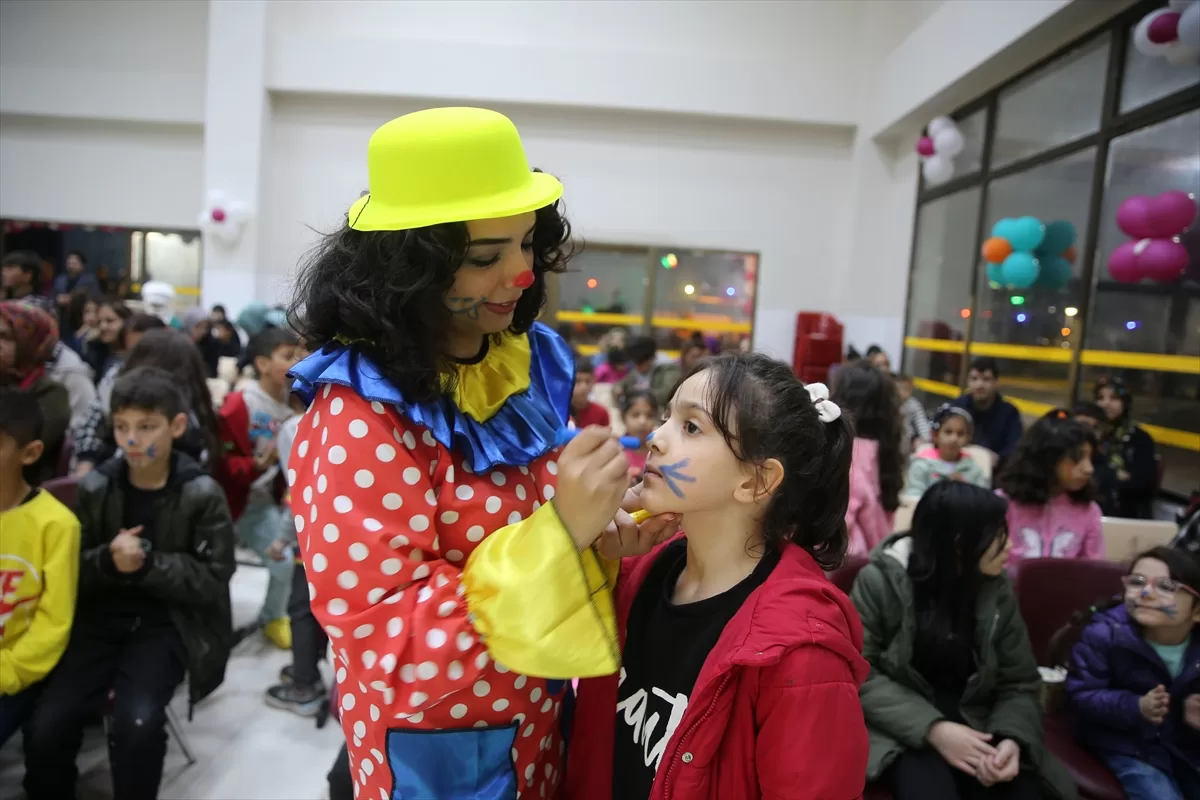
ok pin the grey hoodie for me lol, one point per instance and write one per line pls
(68, 369)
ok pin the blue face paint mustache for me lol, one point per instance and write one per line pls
(673, 474)
(465, 306)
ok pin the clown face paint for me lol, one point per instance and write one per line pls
(497, 270)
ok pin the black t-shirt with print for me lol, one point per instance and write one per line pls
(665, 648)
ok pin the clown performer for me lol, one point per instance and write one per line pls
(448, 540)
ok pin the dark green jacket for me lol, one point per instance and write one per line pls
(188, 568)
(1001, 698)
(55, 404)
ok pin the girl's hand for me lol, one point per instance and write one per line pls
(624, 538)
(960, 746)
(1002, 767)
(593, 476)
(1155, 704)
(1191, 711)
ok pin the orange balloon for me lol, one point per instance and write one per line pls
(1070, 254)
(995, 250)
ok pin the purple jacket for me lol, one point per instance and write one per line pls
(1111, 668)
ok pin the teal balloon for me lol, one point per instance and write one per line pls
(1004, 229)
(1020, 270)
(1055, 273)
(1026, 233)
(1060, 235)
(995, 274)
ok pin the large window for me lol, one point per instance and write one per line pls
(1070, 140)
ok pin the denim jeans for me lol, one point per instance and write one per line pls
(1144, 782)
(259, 526)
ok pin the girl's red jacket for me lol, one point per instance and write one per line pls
(774, 713)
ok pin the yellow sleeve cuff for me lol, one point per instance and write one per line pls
(543, 608)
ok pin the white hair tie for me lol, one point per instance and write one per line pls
(827, 410)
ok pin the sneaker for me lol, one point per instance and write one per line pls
(287, 674)
(306, 702)
(279, 633)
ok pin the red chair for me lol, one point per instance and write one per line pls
(65, 490)
(1050, 591)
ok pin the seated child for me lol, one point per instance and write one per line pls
(1134, 680)
(952, 428)
(583, 411)
(156, 558)
(1104, 477)
(951, 702)
(39, 564)
(249, 423)
(641, 414)
(648, 375)
(1048, 483)
(917, 430)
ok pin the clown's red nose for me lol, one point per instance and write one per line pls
(524, 280)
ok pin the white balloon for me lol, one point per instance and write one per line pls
(1179, 5)
(1189, 27)
(948, 142)
(1141, 35)
(203, 219)
(1181, 55)
(937, 124)
(237, 212)
(937, 169)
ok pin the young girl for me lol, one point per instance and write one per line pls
(952, 430)
(951, 702)
(107, 346)
(1129, 451)
(877, 472)
(741, 663)
(640, 413)
(1134, 680)
(1048, 482)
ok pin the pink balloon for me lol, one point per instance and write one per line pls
(925, 146)
(1164, 28)
(1133, 217)
(1123, 264)
(1171, 213)
(1162, 260)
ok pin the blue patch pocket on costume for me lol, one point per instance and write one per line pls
(469, 764)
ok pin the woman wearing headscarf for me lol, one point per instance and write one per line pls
(1129, 451)
(197, 326)
(28, 336)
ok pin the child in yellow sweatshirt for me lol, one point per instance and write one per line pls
(39, 564)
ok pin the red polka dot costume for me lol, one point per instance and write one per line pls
(444, 588)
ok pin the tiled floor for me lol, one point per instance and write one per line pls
(243, 748)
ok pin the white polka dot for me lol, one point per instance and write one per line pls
(394, 626)
(322, 484)
(435, 638)
(519, 683)
(421, 572)
(319, 562)
(446, 608)
(347, 701)
(298, 521)
(536, 694)
(419, 523)
(529, 769)
(427, 670)
(411, 476)
(481, 660)
(312, 517)
(334, 631)
(371, 524)
(385, 453)
(431, 498)
(417, 698)
(475, 533)
(363, 631)
(498, 478)
(501, 668)
(415, 719)
(337, 454)
(394, 597)
(416, 554)
(424, 594)
(427, 438)
(291, 477)
(449, 473)
(347, 579)
(464, 641)
(378, 756)
(520, 492)
(388, 663)
(409, 440)
(408, 673)
(549, 770)
(514, 518)
(455, 671)
(377, 406)
(316, 420)
(316, 465)
(500, 705)
(324, 435)
(367, 766)
(449, 517)
(312, 592)
(364, 479)
(374, 595)
(464, 492)
(331, 532)
(392, 501)
(359, 551)
(552, 467)
(336, 607)
(358, 429)
(398, 541)
(454, 555)
(390, 566)
(368, 658)
(360, 728)
(492, 504)
(548, 493)
(458, 711)
(546, 705)
(481, 688)
(341, 675)
(335, 406)
(527, 733)
(307, 493)
(342, 504)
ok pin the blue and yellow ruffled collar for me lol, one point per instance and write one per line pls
(506, 409)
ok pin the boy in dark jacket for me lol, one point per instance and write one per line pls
(156, 558)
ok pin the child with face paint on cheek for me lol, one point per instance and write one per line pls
(1135, 678)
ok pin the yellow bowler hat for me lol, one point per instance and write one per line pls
(448, 165)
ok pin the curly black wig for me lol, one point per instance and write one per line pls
(869, 396)
(1030, 475)
(385, 291)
